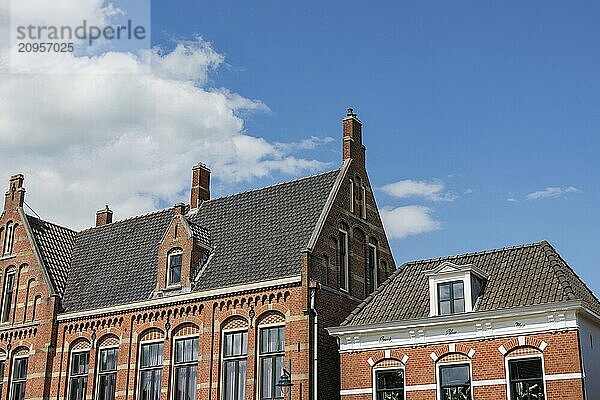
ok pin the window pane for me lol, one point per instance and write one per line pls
(185, 383)
(79, 363)
(150, 384)
(459, 305)
(526, 369)
(455, 375)
(458, 289)
(267, 377)
(20, 368)
(393, 379)
(444, 292)
(444, 307)
(186, 350)
(18, 391)
(108, 360)
(78, 388)
(526, 379)
(106, 387)
(152, 355)
(241, 391)
(459, 392)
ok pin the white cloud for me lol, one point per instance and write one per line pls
(433, 190)
(404, 221)
(91, 137)
(552, 192)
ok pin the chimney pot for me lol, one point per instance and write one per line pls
(179, 208)
(104, 217)
(200, 185)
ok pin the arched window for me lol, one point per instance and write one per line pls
(271, 353)
(454, 377)
(2, 366)
(388, 380)
(78, 370)
(107, 368)
(343, 257)
(235, 355)
(185, 362)
(363, 202)
(372, 262)
(8, 238)
(7, 294)
(525, 371)
(19, 374)
(151, 364)
(351, 195)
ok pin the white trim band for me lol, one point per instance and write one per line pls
(416, 388)
(561, 377)
(349, 392)
(489, 382)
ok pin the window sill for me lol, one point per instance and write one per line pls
(172, 288)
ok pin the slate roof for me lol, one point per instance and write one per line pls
(258, 235)
(255, 236)
(55, 244)
(526, 275)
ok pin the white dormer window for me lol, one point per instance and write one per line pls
(454, 288)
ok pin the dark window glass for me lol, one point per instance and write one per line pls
(107, 373)
(526, 379)
(151, 363)
(186, 368)
(19, 377)
(371, 269)
(343, 253)
(390, 384)
(235, 351)
(9, 286)
(1, 376)
(451, 298)
(175, 269)
(79, 372)
(455, 382)
(272, 352)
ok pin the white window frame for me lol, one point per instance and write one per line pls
(364, 202)
(378, 369)
(169, 256)
(258, 352)
(4, 298)
(522, 357)
(351, 195)
(140, 369)
(438, 380)
(463, 276)
(224, 359)
(12, 374)
(70, 374)
(175, 365)
(346, 276)
(376, 267)
(98, 373)
(8, 239)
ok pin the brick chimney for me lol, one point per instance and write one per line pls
(15, 196)
(179, 209)
(200, 185)
(104, 217)
(352, 143)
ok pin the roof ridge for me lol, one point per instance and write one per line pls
(52, 223)
(126, 219)
(476, 253)
(270, 186)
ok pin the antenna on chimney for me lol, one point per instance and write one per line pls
(350, 113)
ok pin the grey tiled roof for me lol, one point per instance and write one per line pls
(519, 276)
(116, 263)
(255, 236)
(55, 244)
(258, 235)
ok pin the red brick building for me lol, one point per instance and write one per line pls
(508, 324)
(202, 301)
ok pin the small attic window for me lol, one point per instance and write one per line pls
(175, 261)
(454, 288)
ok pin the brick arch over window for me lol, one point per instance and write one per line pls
(80, 344)
(522, 341)
(453, 357)
(235, 322)
(20, 351)
(151, 334)
(186, 329)
(271, 317)
(524, 351)
(109, 340)
(450, 349)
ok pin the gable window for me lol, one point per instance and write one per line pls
(451, 298)
(78, 375)
(455, 382)
(389, 384)
(351, 195)
(186, 368)
(371, 269)
(272, 352)
(19, 378)
(9, 287)
(526, 379)
(107, 373)
(8, 238)
(151, 363)
(235, 352)
(363, 202)
(175, 268)
(343, 253)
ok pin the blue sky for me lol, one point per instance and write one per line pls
(481, 119)
(495, 100)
